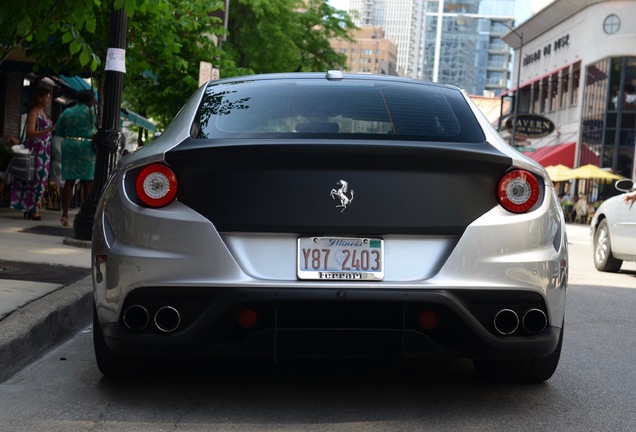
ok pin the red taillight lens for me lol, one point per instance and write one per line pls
(156, 185)
(518, 191)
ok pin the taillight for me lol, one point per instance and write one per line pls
(156, 185)
(518, 191)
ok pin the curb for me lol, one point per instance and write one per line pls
(29, 332)
(70, 241)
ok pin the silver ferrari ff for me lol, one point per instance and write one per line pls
(330, 215)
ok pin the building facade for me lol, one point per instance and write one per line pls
(369, 52)
(446, 41)
(578, 69)
(394, 16)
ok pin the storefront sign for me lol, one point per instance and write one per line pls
(555, 46)
(531, 126)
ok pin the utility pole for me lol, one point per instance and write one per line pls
(109, 137)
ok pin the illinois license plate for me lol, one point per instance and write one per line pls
(341, 258)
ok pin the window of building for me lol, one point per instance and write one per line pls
(565, 80)
(536, 97)
(608, 123)
(496, 60)
(576, 76)
(611, 24)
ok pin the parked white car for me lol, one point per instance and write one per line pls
(614, 231)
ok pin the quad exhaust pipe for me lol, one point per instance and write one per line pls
(137, 318)
(167, 319)
(534, 321)
(507, 321)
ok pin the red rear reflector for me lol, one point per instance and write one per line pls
(156, 185)
(518, 191)
(428, 319)
(247, 318)
(101, 258)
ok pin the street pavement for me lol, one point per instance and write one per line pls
(45, 285)
(45, 288)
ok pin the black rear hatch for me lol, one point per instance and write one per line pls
(394, 187)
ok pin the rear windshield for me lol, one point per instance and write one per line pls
(347, 109)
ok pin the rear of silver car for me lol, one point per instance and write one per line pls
(323, 243)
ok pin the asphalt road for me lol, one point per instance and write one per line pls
(594, 388)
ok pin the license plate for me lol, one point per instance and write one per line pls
(341, 258)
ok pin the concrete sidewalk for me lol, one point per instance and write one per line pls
(45, 288)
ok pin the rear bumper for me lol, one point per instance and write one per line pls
(330, 323)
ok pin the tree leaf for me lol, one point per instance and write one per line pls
(74, 47)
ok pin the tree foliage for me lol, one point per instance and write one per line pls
(285, 35)
(167, 39)
(164, 54)
(69, 25)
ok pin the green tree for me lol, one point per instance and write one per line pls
(167, 39)
(164, 53)
(285, 35)
(69, 25)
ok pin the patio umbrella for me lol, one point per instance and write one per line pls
(592, 172)
(558, 172)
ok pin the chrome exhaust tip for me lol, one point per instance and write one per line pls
(534, 321)
(136, 317)
(506, 321)
(167, 319)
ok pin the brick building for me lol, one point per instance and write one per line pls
(369, 52)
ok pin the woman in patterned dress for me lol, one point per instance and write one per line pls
(77, 125)
(25, 195)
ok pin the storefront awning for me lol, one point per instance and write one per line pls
(560, 154)
(79, 84)
(138, 120)
(563, 154)
(75, 82)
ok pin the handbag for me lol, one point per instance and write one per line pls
(22, 165)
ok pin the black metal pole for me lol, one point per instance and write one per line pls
(109, 137)
(518, 91)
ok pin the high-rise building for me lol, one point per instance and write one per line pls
(368, 52)
(447, 41)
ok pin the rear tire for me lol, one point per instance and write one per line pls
(110, 364)
(603, 258)
(528, 370)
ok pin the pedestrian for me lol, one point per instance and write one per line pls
(580, 209)
(76, 126)
(629, 197)
(25, 195)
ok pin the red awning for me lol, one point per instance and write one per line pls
(554, 155)
(562, 154)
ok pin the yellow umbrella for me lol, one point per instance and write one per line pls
(593, 172)
(558, 172)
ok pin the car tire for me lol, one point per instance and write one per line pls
(527, 370)
(603, 258)
(110, 364)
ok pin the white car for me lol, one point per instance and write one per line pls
(329, 214)
(614, 231)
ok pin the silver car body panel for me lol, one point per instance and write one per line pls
(176, 246)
